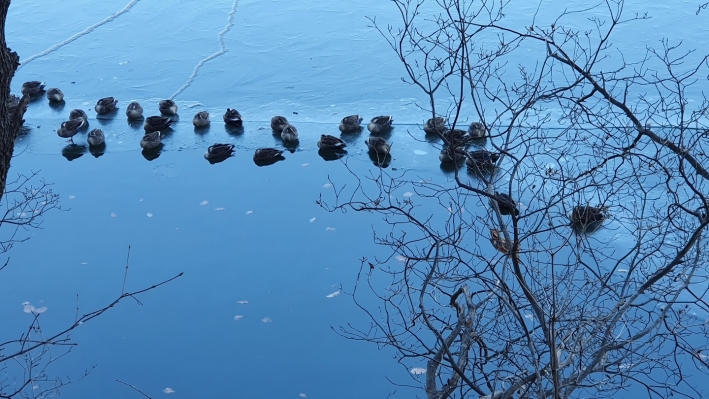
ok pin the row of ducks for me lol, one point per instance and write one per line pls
(453, 152)
(279, 124)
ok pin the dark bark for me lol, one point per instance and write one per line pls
(10, 124)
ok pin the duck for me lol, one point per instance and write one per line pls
(201, 119)
(55, 95)
(151, 140)
(219, 151)
(452, 155)
(351, 124)
(232, 117)
(69, 128)
(481, 159)
(457, 137)
(330, 143)
(587, 215)
(134, 110)
(435, 125)
(289, 133)
(105, 105)
(278, 123)
(79, 114)
(380, 124)
(506, 204)
(267, 156)
(33, 87)
(167, 107)
(477, 130)
(156, 123)
(96, 138)
(501, 244)
(378, 146)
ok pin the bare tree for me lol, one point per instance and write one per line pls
(26, 360)
(586, 277)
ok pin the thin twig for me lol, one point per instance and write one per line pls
(125, 276)
(142, 393)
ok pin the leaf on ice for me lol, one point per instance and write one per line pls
(27, 308)
(408, 194)
(312, 220)
(168, 390)
(418, 371)
(334, 294)
(266, 320)
(238, 317)
(150, 215)
(243, 302)
(203, 203)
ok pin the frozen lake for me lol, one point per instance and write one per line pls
(254, 313)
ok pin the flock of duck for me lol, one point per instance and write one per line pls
(454, 151)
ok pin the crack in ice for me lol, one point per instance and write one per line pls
(78, 35)
(222, 50)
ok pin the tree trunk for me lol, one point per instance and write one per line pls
(10, 124)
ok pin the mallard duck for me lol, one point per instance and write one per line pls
(587, 215)
(351, 124)
(55, 95)
(155, 123)
(378, 145)
(289, 133)
(481, 159)
(219, 151)
(452, 154)
(78, 114)
(96, 138)
(278, 123)
(267, 156)
(435, 125)
(500, 243)
(457, 137)
(330, 143)
(151, 140)
(167, 107)
(69, 128)
(134, 111)
(380, 124)
(477, 130)
(506, 204)
(232, 117)
(201, 119)
(33, 87)
(105, 105)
